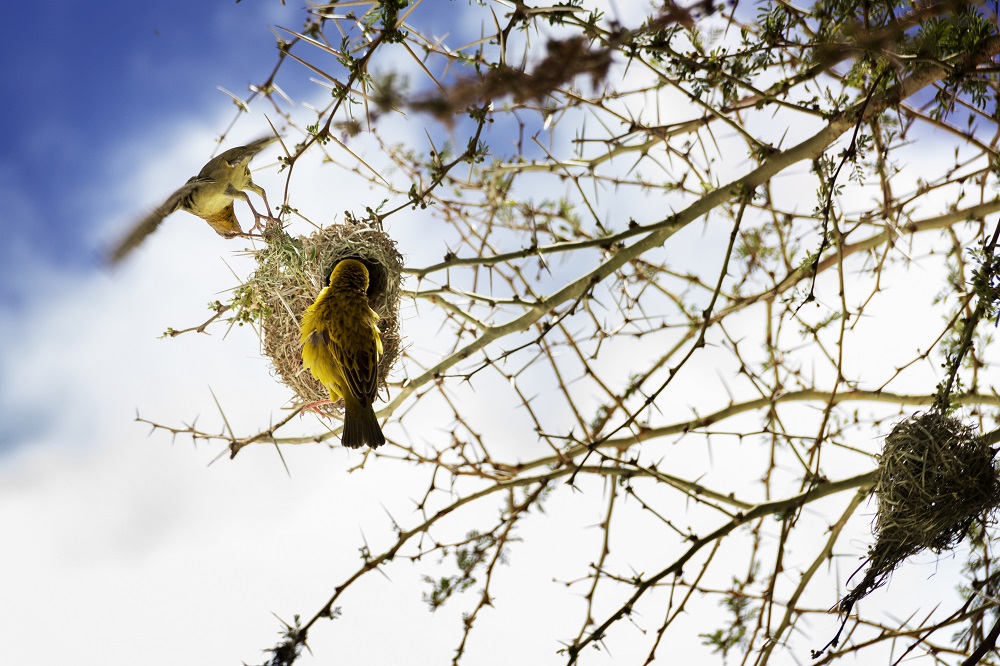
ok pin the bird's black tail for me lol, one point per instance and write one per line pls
(361, 426)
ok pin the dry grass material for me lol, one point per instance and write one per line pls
(935, 477)
(290, 274)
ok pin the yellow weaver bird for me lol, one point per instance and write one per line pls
(341, 346)
(209, 195)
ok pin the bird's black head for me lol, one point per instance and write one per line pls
(377, 277)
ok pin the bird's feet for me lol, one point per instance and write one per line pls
(257, 217)
(314, 406)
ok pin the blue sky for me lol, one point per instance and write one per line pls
(95, 92)
(82, 80)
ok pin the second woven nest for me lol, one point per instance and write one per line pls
(935, 477)
(290, 274)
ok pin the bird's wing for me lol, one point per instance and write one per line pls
(317, 358)
(150, 222)
(258, 145)
(242, 154)
(360, 369)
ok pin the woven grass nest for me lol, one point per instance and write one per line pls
(935, 476)
(290, 274)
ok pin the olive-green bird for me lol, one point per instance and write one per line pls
(209, 195)
(341, 346)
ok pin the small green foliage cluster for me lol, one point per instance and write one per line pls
(964, 337)
(387, 14)
(467, 559)
(740, 608)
